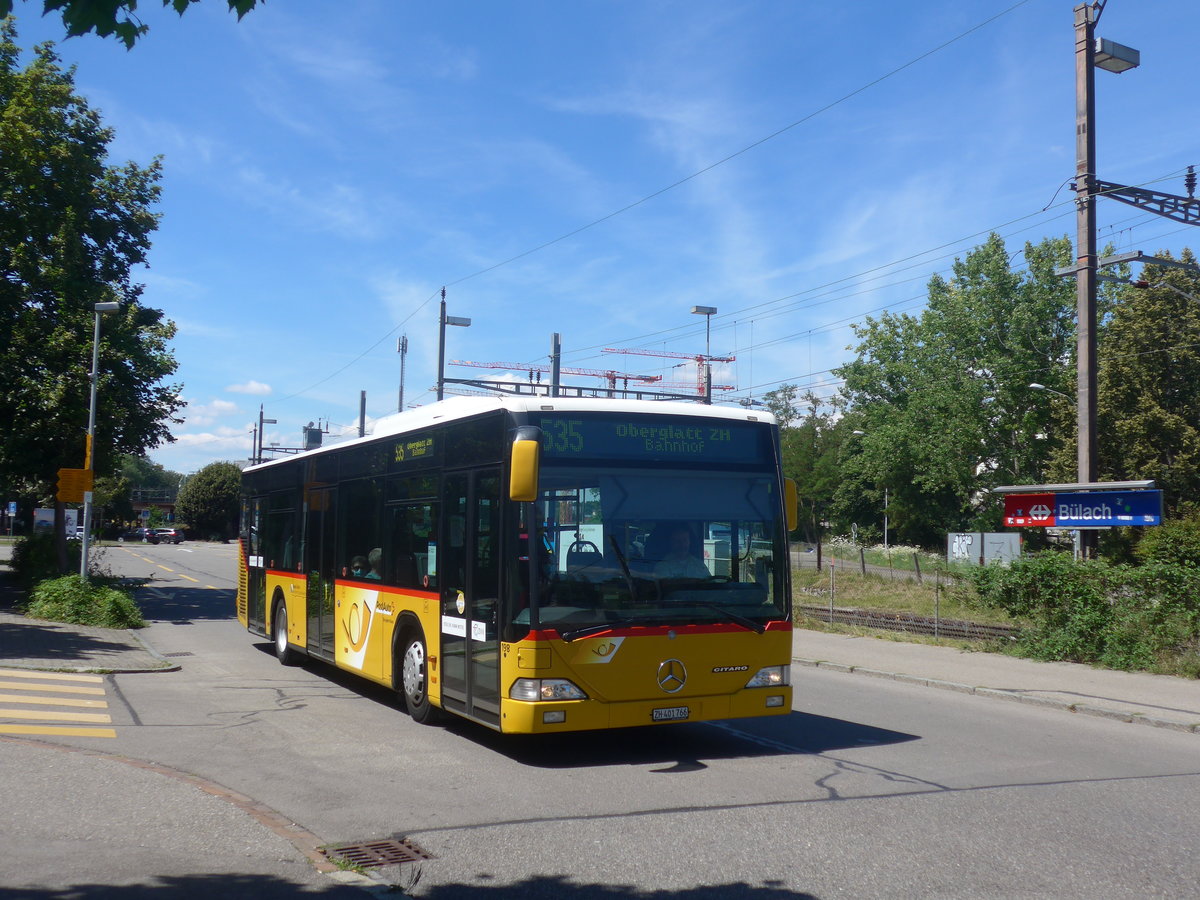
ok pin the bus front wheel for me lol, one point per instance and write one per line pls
(283, 652)
(414, 679)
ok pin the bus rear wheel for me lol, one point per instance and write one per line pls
(414, 679)
(283, 652)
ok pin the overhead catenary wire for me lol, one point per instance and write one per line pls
(676, 184)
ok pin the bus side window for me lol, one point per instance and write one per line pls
(412, 528)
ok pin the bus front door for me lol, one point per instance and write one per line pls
(470, 575)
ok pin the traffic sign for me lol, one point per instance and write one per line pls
(1084, 509)
(73, 484)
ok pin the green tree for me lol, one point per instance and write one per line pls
(810, 441)
(943, 400)
(1148, 409)
(141, 472)
(72, 227)
(114, 17)
(209, 500)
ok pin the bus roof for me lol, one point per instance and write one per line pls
(456, 408)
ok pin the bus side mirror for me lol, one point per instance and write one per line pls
(523, 470)
(791, 503)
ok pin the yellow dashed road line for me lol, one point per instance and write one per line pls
(189, 578)
(164, 568)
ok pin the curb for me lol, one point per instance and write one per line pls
(1011, 696)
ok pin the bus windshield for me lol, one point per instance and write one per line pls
(640, 547)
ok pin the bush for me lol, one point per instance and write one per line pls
(1176, 542)
(35, 559)
(1124, 617)
(77, 601)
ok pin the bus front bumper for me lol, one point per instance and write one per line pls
(521, 717)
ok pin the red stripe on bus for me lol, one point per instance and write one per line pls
(388, 589)
(550, 634)
(283, 573)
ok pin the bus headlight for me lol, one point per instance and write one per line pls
(771, 676)
(534, 689)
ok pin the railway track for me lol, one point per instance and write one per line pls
(907, 622)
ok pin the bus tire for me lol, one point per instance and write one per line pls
(412, 677)
(283, 652)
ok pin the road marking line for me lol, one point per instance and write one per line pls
(58, 688)
(164, 568)
(189, 578)
(58, 730)
(56, 716)
(211, 588)
(54, 701)
(53, 676)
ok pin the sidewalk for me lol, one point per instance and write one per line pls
(34, 644)
(1159, 700)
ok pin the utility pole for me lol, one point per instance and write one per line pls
(555, 363)
(1085, 250)
(258, 450)
(402, 349)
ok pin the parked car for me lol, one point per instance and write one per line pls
(77, 534)
(170, 535)
(145, 535)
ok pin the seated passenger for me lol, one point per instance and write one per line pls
(358, 567)
(679, 561)
(375, 558)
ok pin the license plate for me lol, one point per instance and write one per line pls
(669, 714)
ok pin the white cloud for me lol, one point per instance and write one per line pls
(199, 414)
(340, 208)
(256, 388)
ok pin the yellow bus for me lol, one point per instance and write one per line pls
(535, 564)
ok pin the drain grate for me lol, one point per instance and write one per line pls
(378, 853)
(180, 653)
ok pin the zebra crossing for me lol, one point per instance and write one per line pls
(53, 704)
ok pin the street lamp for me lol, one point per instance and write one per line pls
(99, 309)
(1042, 387)
(443, 321)
(708, 312)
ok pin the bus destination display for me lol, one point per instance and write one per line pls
(651, 437)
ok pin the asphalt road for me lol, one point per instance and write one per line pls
(870, 788)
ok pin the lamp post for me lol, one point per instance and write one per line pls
(98, 309)
(708, 312)
(1113, 57)
(443, 321)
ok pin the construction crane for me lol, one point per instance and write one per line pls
(700, 359)
(608, 374)
(687, 386)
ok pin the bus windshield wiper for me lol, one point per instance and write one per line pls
(589, 630)
(736, 618)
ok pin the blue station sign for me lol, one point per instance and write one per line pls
(1082, 509)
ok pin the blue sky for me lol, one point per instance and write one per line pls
(596, 169)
